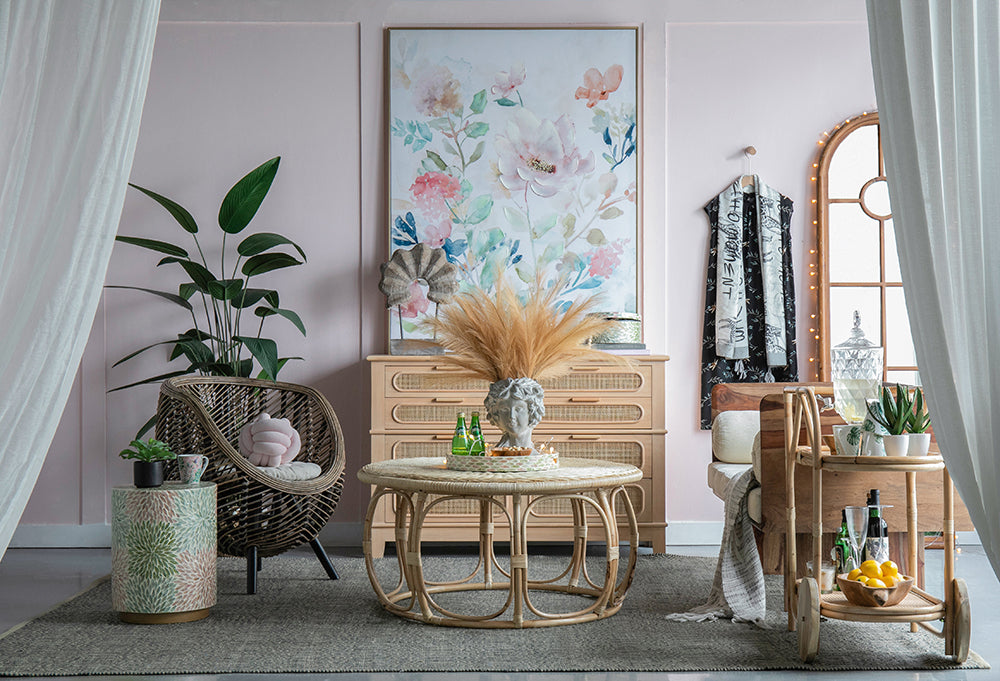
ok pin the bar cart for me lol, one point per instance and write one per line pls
(803, 600)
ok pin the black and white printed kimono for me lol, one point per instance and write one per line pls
(750, 292)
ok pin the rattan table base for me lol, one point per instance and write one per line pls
(419, 485)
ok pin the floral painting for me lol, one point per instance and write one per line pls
(516, 152)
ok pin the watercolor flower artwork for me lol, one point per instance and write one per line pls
(516, 151)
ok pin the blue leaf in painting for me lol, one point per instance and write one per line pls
(404, 232)
(594, 282)
(563, 306)
(628, 134)
(453, 249)
(516, 259)
(607, 136)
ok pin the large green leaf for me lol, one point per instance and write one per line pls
(264, 311)
(243, 200)
(180, 213)
(263, 375)
(258, 243)
(265, 262)
(154, 379)
(154, 245)
(199, 274)
(163, 294)
(225, 289)
(264, 350)
(252, 296)
(196, 351)
(142, 350)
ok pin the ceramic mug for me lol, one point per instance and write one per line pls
(191, 467)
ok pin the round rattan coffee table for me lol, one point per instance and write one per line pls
(420, 484)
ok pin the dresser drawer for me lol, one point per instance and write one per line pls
(639, 450)
(639, 493)
(439, 378)
(565, 414)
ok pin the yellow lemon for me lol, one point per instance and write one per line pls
(889, 580)
(889, 569)
(853, 574)
(870, 568)
(875, 582)
(862, 579)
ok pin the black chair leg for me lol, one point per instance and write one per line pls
(253, 564)
(323, 558)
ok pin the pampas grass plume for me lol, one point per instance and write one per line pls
(496, 337)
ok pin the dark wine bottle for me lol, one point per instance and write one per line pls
(877, 542)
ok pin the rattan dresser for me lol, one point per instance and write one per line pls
(597, 410)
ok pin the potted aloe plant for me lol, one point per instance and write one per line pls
(894, 416)
(917, 424)
(147, 470)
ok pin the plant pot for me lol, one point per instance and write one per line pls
(147, 473)
(920, 444)
(896, 445)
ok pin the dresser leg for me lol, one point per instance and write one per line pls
(252, 567)
(323, 558)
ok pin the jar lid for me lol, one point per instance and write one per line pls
(857, 339)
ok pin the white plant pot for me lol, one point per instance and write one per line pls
(920, 444)
(896, 445)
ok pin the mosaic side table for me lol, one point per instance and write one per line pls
(163, 552)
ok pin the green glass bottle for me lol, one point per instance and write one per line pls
(843, 558)
(477, 445)
(460, 440)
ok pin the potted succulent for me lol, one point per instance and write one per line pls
(147, 470)
(894, 416)
(918, 423)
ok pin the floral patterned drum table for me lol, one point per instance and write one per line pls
(163, 552)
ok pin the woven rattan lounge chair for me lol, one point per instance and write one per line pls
(258, 515)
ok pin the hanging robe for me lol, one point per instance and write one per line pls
(750, 292)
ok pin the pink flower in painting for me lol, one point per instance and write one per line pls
(597, 87)
(540, 154)
(630, 192)
(434, 235)
(430, 193)
(508, 81)
(418, 303)
(604, 260)
(436, 92)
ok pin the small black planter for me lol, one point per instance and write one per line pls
(147, 473)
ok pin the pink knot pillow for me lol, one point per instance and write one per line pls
(269, 442)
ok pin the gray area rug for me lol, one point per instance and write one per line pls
(299, 621)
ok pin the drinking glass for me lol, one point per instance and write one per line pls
(857, 530)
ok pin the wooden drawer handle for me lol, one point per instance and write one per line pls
(447, 400)
(584, 437)
(442, 437)
(586, 400)
(445, 367)
(585, 368)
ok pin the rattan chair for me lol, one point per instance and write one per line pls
(258, 516)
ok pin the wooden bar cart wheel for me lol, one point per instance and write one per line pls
(805, 604)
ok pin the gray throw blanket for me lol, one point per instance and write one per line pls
(738, 588)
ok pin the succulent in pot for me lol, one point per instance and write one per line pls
(894, 416)
(917, 425)
(147, 468)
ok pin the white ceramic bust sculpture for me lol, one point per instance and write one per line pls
(515, 406)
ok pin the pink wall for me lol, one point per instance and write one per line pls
(235, 82)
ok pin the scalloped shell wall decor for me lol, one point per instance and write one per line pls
(418, 263)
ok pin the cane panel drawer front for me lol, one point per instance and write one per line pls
(597, 410)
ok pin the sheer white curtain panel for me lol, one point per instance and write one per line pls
(937, 78)
(73, 77)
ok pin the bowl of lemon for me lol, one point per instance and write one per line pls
(875, 585)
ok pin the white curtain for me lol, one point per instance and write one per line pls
(73, 77)
(937, 78)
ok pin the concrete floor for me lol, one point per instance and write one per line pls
(34, 580)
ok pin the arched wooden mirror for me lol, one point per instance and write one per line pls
(856, 249)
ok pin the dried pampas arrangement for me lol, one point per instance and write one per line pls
(497, 337)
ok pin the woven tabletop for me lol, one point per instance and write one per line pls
(430, 475)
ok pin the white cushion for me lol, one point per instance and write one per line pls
(719, 475)
(296, 470)
(755, 456)
(732, 435)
